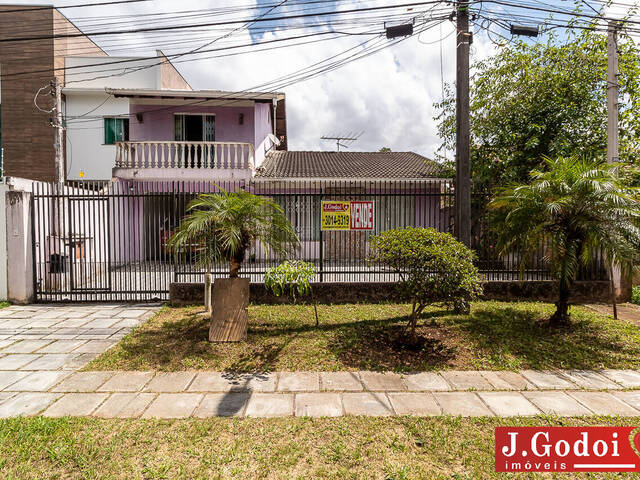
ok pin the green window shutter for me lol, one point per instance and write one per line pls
(109, 131)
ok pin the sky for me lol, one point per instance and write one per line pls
(387, 98)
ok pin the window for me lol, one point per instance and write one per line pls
(194, 128)
(116, 130)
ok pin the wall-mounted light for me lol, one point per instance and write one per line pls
(241, 119)
(139, 117)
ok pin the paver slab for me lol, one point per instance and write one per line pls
(631, 398)
(124, 405)
(75, 405)
(101, 322)
(547, 380)
(604, 403)
(626, 378)
(426, 381)
(40, 381)
(9, 377)
(80, 360)
(590, 380)
(377, 381)
(50, 361)
(16, 361)
(228, 404)
(466, 404)
(126, 382)
(366, 403)
(26, 346)
(341, 381)
(95, 346)
(26, 403)
(318, 404)
(298, 382)
(508, 404)
(270, 405)
(170, 382)
(414, 403)
(466, 380)
(505, 380)
(173, 405)
(83, 382)
(556, 403)
(62, 346)
(226, 382)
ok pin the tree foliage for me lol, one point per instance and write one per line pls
(545, 99)
(576, 207)
(223, 226)
(433, 268)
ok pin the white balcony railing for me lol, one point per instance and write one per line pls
(185, 155)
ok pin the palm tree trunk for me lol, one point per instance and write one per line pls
(561, 315)
(234, 268)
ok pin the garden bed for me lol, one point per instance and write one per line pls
(494, 336)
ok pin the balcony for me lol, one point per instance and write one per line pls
(184, 160)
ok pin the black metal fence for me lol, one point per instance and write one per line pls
(97, 241)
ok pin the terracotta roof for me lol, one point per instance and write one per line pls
(292, 164)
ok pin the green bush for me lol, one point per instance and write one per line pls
(292, 277)
(635, 295)
(433, 268)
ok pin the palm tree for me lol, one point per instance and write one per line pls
(221, 227)
(577, 207)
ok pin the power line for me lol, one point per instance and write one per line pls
(228, 22)
(51, 7)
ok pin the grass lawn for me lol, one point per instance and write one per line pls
(366, 337)
(351, 447)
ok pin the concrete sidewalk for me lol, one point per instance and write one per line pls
(206, 394)
(41, 346)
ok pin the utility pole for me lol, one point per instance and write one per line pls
(612, 92)
(58, 145)
(615, 275)
(463, 164)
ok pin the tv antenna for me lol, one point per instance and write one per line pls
(343, 140)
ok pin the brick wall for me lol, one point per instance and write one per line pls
(27, 137)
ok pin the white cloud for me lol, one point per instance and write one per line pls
(390, 95)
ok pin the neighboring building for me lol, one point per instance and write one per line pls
(26, 135)
(129, 111)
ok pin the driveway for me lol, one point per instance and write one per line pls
(40, 345)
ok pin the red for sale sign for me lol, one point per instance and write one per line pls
(567, 449)
(361, 215)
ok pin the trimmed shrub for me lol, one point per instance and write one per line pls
(434, 268)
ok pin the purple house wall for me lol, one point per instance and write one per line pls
(158, 122)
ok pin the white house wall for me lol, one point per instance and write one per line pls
(86, 152)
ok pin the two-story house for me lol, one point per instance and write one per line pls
(147, 123)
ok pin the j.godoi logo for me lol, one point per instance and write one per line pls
(567, 449)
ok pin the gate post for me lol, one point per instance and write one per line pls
(20, 273)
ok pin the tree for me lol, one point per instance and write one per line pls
(221, 227)
(576, 207)
(384, 150)
(293, 277)
(433, 268)
(224, 225)
(545, 99)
